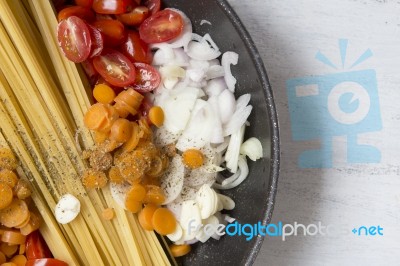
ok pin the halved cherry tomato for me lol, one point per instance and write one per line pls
(36, 247)
(97, 41)
(46, 262)
(74, 39)
(91, 73)
(84, 3)
(135, 49)
(112, 30)
(147, 78)
(115, 68)
(112, 6)
(162, 26)
(82, 12)
(135, 16)
(153, 5)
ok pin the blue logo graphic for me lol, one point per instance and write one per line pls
(338, 104)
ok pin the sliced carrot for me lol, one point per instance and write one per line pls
(8, 250)
(9, 264)
(103, 93)
(179, 250)
(108, 214)
(145, 130)
(21, 249)
(115, 175)
(19, 260)
(34, 223)
(121, 130)
(128, 102)
(22, 224)
(154, 195)
(163, 221)
(146, 216)
(3, 258)
(133, 206)
(156, 168)
(137, 192)
(6, 195)
(8, 177)
(100, 117)
(94, 179)
(7, 159)
(134, 139)
(193, 158)
(13, 237)
(156, 116)
(15, 213)
(100, 137)
(22, 189)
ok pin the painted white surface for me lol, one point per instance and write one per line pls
(288, 34)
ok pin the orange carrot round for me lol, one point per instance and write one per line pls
(108, 214)
(133, 205)
(6, 195)
(156, 116)
(154, 195)
(13, 237)
(163, 221)
(121, 130)
(19, 260)
(3, 258)
(94, 179)
(137, 192)
(115, 175)
(179, 250)
(103, 93)
(8, 177)
(133, 141)
(146, 215)
(7, 159)
(8, 250)
(193, 158)
(15, 213)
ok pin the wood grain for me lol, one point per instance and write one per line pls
(288, 34)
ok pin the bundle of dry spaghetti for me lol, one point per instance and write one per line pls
(43, 101)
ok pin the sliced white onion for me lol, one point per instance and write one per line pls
(217, 134)
(229, 219)
(252, 148)
(232, 153)
(201, 51)
(243, 101)
(196, 74)
(227, 105)
(172, 180)
(190, 219)
(118, 192)
(207, 231)
(172, 71)
(175, 208)
(169, 83)
(199, 128)
(215, 86)
(228, 59)
(198, 177)
(237, 120)
(204, 21)
(227, 202)
(244, 172)
(177, 234)
(214, 71)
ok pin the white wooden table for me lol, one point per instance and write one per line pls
(337, 62)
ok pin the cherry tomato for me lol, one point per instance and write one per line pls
(153, 5)
(46, 262)
(36, 247)
(115, 68)
(162, 26)
(112, 30)
(112, 6)
(135, 17)
(97, 41)
(136, 49)
(145, 106)
(82, 12)
(147, 78)
(84, 3)
(74, 39)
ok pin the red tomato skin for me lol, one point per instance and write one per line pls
(82, 12)
(36, 247)
(97, 41)
(84, 3)
(76, 50)
(163, 26)
(112, 7)
(46, 262)
(153, 5)
(113, 31)
(111, 63)
(135, 49)
(135, 17)
(147, 78)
